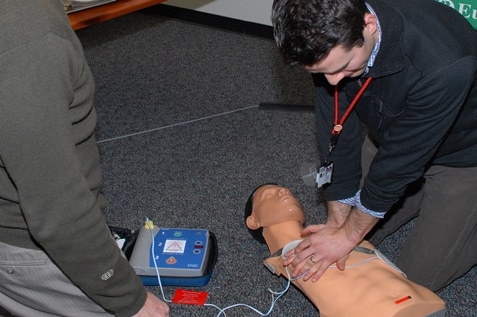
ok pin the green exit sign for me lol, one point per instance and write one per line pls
(468, 8)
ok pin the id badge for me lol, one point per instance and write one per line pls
(324, 175)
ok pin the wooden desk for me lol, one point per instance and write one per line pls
(105, 12)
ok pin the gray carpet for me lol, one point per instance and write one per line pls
(183, 142)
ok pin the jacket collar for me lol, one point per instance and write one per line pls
(390, 58)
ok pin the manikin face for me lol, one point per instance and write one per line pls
(275, 204)
(342, 62)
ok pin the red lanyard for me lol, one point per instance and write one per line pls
(338, 124)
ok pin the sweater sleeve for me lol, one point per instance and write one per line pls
(48, 150)
(410, 143)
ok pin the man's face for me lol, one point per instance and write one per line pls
(341, 62)
(275, 204)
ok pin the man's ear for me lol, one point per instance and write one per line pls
(252, 223)
(371, 23)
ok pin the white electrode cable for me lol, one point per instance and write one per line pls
(155, 264)
(275, 295)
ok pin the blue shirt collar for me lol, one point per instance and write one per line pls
(375, 51)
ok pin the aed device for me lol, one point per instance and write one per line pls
(183, 257)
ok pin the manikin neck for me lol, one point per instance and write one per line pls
(278, 235)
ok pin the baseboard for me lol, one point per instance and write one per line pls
(212, 20)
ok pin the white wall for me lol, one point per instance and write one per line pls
(257, 11)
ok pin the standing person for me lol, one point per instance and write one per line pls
(57, 257)
(405, 71)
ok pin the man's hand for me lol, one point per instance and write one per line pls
(153, 307)
(326, 244)
(323, 246)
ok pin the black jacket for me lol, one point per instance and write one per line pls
(421, 105)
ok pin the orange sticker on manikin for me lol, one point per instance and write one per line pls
(399, 301)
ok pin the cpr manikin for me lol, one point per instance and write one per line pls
(369, 286)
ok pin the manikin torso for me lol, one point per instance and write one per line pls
(367, 287)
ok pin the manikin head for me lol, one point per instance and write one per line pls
(270, 204)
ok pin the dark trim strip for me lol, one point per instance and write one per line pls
(212, 20)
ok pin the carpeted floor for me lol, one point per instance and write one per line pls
(183, 142)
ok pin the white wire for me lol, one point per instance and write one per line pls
(155, 264)
(357, 264)
(275, 295)
(175, 124)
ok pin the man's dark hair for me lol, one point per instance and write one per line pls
(256, 234)
(306, 30)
